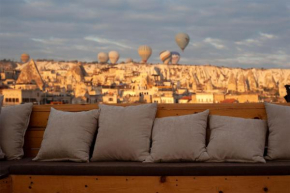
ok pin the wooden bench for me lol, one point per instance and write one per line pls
(155, 184)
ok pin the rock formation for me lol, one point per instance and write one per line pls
(241, 84)
(269, 82)
(30, 75)
(251, 81)
(232, 83)
(195, 77)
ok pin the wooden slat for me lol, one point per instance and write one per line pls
(31, 133)
(40, 113)
(245, 113)
(85, 107)
(151, 184)
(6, 185)
(38, 119)
(32, 143)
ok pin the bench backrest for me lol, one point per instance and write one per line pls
(40, 115)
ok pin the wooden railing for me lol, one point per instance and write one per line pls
(40, 116)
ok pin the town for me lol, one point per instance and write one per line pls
(75, 82)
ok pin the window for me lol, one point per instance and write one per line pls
(17, 100)
(6, 100)
(13, 100)
(110, 99)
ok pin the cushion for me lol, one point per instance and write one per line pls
(124, 132)
(4, 171)
(2, 155)
(27, 167)
(179, 138)
(1, 102)
(279, 132)
(68, 136)
(236, 139)
(14, 121)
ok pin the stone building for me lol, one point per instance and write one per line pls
(18, 96)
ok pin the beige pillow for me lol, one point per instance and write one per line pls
(279, 132)
(14, 121)
(179, 138)
(68, 136)
(124, 132)
(236, 139)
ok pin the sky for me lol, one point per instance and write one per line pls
(232, 33)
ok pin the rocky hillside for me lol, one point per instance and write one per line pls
(193, 76)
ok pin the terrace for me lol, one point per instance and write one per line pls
(118, 176)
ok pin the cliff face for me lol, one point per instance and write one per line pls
(206, 77)
(75, 74)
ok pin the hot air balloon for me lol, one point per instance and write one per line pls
(103, 57)
(25, 57)
(113, 56)
(129, 60)
(144, 52)
(182, 40)
(175, 57)
(165, 56)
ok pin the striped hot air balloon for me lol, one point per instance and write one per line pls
(24, 57)
(144, 52)
(103, 57)
(175, 57)
(114, 57)
(182, 40)
(165, 56)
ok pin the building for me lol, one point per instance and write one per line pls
(167, 99)
(184, 99)
(204, 98)
(218, 97)
(156, 99)
(56, 97)
(18, 96)
(244, 98)
(110, 98)
(26, 86)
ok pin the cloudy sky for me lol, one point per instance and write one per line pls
(233, 33)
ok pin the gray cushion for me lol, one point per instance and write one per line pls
(14, 121)
(179, 138)
(279, 132)
(68, 136)
(124, 132)
(236, 139)
(2, 155)
(27, 167)
(1, 102)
